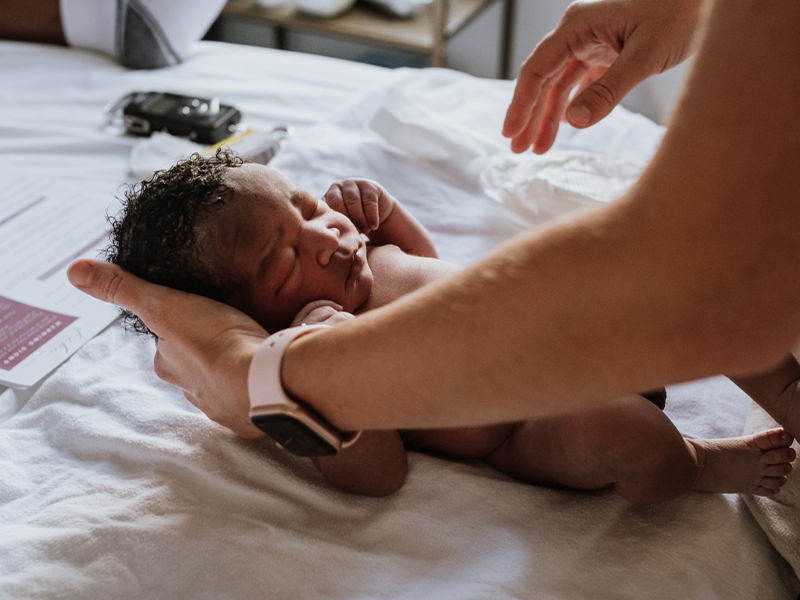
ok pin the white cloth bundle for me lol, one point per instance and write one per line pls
(541, 188)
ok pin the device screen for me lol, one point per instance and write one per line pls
(293, 435)
(162, 104)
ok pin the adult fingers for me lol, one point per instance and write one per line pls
(205, 386)
(557, 101)
(240, 426)
(525, 139)
(545, 64)
(631, 67)
(162, 368)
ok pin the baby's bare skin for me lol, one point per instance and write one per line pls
(289, 249)
(748, 462)
(397, 274)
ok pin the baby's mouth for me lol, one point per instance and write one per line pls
(356, 266)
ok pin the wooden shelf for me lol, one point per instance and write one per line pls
(426, 32)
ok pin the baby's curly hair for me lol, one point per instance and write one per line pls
(155, 235)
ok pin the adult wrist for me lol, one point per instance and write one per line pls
(298, 372)
(290, 422)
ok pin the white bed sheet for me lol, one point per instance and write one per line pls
(114, 486)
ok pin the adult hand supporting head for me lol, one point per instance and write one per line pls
(604, 48)
(204, 347)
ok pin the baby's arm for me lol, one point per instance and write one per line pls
(776, 391)
(379, 215)
(376, 465)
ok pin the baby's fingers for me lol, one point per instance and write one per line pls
(370, 203)
(333, 198)
(302, 316)
(353, 202)
(345, 197)
(321, 311)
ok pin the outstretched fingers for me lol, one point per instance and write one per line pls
(557, 100)
(545, 66)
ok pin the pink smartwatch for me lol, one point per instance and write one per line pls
(294, 427)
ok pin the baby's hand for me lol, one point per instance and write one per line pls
(321, 311)
(363, 201)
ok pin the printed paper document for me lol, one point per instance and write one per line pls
(44, 226)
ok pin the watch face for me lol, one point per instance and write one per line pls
(293, 435)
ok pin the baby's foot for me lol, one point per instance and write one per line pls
(753, 464)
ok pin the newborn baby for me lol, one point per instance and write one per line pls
(242, 234)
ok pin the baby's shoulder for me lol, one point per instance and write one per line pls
(388, 256)
(402, 273)
(390, 259)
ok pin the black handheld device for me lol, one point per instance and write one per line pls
(202, 120)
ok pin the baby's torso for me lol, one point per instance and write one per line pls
(396, 274)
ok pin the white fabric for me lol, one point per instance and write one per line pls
(543, 187)
(90, 24)
(778, 516)
(114, 486)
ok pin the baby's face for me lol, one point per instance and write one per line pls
(285, 248)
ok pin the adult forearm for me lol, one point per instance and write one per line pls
(692, 274)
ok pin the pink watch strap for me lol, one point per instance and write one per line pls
(264, 377)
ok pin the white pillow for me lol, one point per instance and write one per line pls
(140, 34)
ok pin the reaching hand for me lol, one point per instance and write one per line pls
(363, 201)
(604, 49)
(203, 347)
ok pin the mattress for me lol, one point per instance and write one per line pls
(113, 485)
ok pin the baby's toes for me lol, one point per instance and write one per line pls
(762, 491)
(769, 486)
(779, 470)
(779, 455)
(774, 438)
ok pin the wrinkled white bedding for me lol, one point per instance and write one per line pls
(113, 486)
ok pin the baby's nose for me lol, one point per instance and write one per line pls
(327, 244)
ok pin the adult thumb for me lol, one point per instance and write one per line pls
(110, 283)
(599, 99)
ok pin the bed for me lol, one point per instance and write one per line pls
(113, 486)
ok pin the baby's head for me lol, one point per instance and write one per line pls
(242, 234)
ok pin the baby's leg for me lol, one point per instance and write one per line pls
(461, 442)
(632, 446)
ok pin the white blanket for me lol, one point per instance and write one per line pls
(114, 486)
